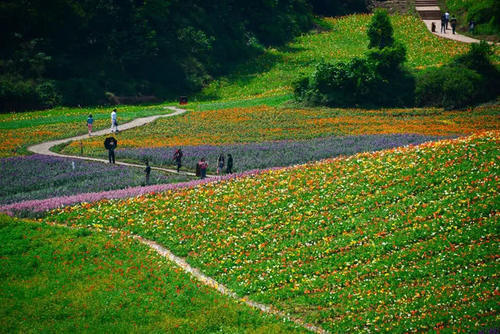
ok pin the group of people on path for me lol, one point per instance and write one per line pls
(114, 122)
(446, 20)
(111, 143)
(202, 165)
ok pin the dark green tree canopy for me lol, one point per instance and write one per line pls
(84, 48)
(380, 31)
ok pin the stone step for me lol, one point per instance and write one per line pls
(430, 15)
(432, 2)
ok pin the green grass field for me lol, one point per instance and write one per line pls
(56, 280)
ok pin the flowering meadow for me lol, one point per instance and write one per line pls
(274, 153)
(30, 207)
(264, 123)
(56, 280)
(400, 240)
(19, 130)
(39, 176)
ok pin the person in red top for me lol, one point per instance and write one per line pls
(203, 168)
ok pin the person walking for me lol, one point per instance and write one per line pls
(90, 121)
(447, 19)
(114, 122)
(220, 163)
(443, 24)
(110, 144)
(453, 22)
(472, 25)
(178, 159)
(148, 172)
(229, 168)
(203, 165)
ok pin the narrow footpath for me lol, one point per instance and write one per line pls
(44, 148)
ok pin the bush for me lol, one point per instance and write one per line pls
(20, 95)
(378, 80)
(478, 60)
(48, 95)
(449, 87)
(471, 78)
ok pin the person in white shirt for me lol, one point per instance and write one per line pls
(446, 19)
(114, 123)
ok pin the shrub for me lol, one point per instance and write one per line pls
(20, 95)
(478, 60)
(48, 95)
(471, 78)
(378, 80)
(448, 86)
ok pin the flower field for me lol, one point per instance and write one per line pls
(58, 280)
(275, 153)
(28, 207)
(19, 130)
(38, 176)
(401, 240)
(264, 123)
(273, 72)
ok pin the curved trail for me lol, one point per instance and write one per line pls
(204, 279)
(44, 148)
(223, 289)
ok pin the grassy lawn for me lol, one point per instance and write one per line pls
(56, 280)
(395, 241)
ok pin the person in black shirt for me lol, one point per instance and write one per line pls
(229, 168)
(148, 172)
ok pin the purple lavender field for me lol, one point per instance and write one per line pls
(39, 176)
(277, 153)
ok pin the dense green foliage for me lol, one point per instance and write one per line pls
(90, 47)
(470, 78)
(380, 31)
(379, 79)
(485, 13)
(338, 7)
(273, 72)
(57, 280)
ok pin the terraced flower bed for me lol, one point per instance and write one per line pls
(19, 130)
(262, 123)
(396, 240)
(275, 153)
(59, 280)
(38, 176)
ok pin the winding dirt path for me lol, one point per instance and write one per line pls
(44, 148)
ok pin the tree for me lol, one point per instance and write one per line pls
(380, 32)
